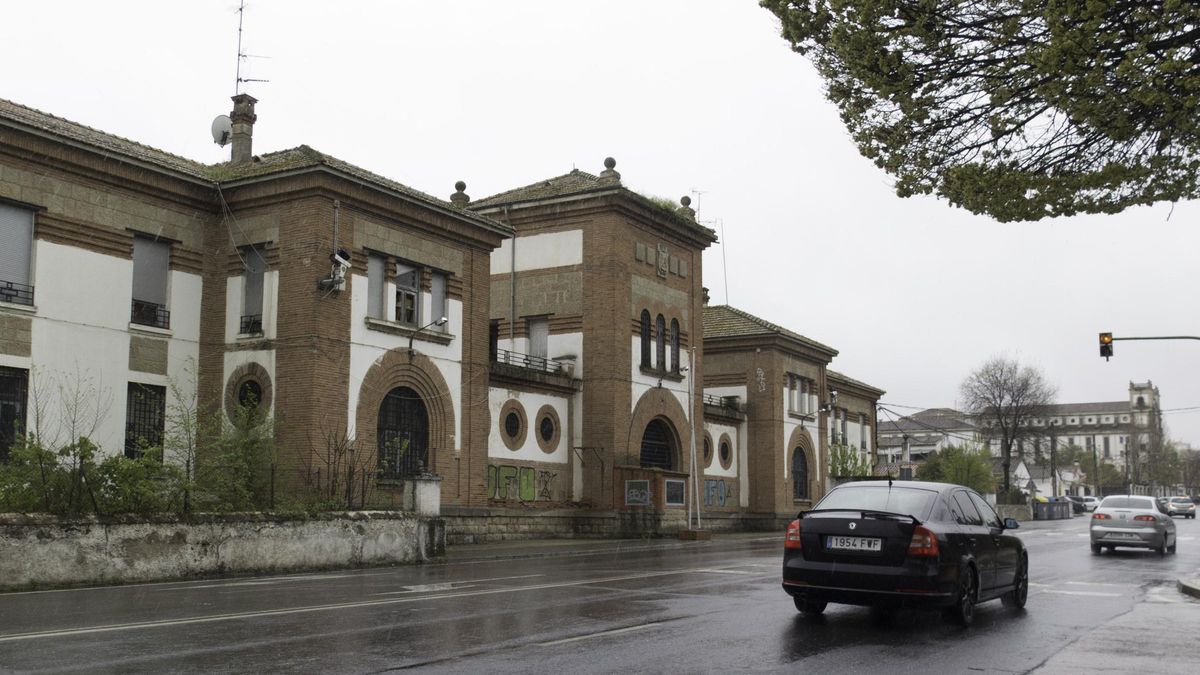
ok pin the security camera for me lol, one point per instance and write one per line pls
(340, 258)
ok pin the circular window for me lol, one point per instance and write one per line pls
(708, 454)
(249, 394)
(549, 429)
(725, 452)
(513, 424)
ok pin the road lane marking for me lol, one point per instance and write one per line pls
(454, 585)
(1098, 583)
(235, 616)
(1092, 594)
(606, 633)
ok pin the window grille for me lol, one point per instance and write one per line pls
(656, 446)
(799, 474)
(403, 434)
(144, 416)
(14, 391)
(254, 266)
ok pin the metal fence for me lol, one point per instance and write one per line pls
(528, 361)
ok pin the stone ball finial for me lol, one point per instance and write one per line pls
(609, 175)
(610, 163)
(460, 198)
(685, 208)
(685, 200)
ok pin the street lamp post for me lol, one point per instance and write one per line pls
(437, 322)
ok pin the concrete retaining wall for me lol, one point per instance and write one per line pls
(1021, 512)
(39, 551)
(467, 525)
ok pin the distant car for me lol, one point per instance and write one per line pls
(904, 543)
(1132, 520)
(1076, 504)
(1089, 503)
(1181, 506)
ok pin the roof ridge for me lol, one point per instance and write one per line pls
(77, 126)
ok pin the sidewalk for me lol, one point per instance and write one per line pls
(544, 548)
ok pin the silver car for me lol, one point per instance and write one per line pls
(1132, 520)
(1181, 506)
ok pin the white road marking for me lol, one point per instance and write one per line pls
(234, 616)
(710, 570)
(1097, 583)
(454, 585)
(1093, 594)
(606, 633)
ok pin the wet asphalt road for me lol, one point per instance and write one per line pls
(659, 607)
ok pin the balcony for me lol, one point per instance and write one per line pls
(150, 314)
(18, 294)
(527, 369)
(726, 407)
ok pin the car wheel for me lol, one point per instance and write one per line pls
(1162, 547)
(812, 607)
(962, 611)
(1095, 549)
(1015, 599)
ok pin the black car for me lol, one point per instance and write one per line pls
(904, 543)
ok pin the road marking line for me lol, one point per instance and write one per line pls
(710, 570)
(454, 585)
(606, 633)
(1093, 594)
(1098, 583)
(234, 616)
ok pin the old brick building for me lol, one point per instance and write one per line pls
(545, 353)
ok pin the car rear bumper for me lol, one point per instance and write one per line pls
(1113, 536)
(914, 583)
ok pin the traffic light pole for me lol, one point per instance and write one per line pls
(1106, 340)
(1164, 337)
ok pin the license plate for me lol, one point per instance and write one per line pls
(835, 543)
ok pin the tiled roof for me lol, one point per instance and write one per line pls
(851, 381)
(58, 126)
(572, 183)
(265, 165)
(723, 321)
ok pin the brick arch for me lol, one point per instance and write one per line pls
(800, 438)
(658, 403)
(244, 373)
(397, 368)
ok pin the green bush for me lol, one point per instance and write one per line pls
(144, 485)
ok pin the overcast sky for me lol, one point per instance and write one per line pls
(689, 97)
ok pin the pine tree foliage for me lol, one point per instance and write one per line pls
(1018, 109)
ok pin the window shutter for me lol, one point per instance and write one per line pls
(16, 239)
(375, 281)
(437, 291)
(255, 267)
(150, 262)
(539, 335)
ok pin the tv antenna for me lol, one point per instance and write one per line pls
(241, 56)
(720, 223)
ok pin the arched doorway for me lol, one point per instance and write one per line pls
(403, 434)
(799, 474)
(658, 446)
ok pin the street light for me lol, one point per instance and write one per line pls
(438, 322)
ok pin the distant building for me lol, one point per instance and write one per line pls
(926, 432)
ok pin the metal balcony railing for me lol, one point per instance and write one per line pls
(527, 361)
(251, 324)
(150, 314)
(20, 294)
(730, 402)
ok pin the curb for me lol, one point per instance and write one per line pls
(1190, 587)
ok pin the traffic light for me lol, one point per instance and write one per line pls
(1106, 345)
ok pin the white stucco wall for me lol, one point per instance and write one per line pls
(530, 450)
(80, 342)
(740, 466)
(558, 346)
(539, 251)
(640, 382)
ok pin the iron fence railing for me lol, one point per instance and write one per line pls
(150, 314)
(20, 294)
(251, 324)
(730, 402)
(538, 363)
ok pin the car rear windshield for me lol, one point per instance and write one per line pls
(1180, 500)
(909, 501)
(1127, 503)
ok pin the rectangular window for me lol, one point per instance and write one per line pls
(254, 266)
(1107, 451)
(437, 299)
(376, 282)
(408, 293)
(14, 392)
(16, 245)
(539, 336)
(144, 418)
(151, 260)
(793, 393)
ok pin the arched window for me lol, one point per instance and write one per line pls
(658, 446)
(799, 474)
(660, 343)
(675, 345)
(403, 434)
(645, 339)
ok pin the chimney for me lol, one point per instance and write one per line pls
(243, 118)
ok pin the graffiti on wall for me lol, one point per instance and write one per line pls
(520, 483)
(717, 492)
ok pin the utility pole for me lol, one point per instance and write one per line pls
(1096, 465)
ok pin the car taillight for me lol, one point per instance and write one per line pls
(792, 538)
(924, 543)
(1150, 518)
(1101, 516)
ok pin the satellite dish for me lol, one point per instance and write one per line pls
(222, 129)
